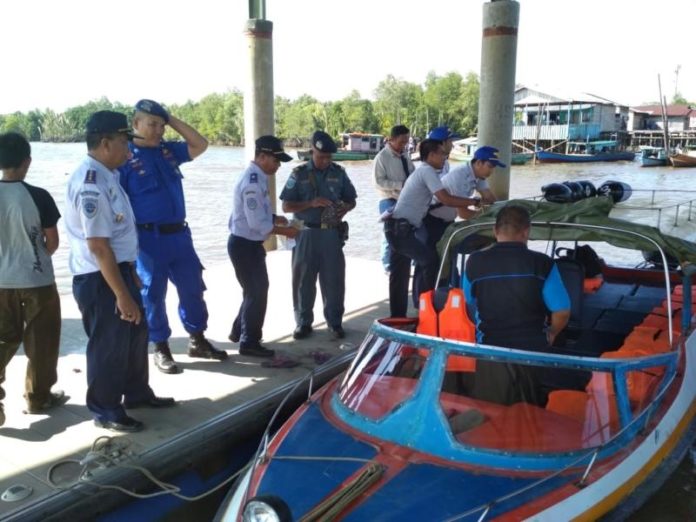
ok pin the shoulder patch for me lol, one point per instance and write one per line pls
(253, 177)
(251, 203)
(91, 176)
(90, 206)
(290, 184)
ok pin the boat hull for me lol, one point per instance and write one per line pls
(340, 155)
(683, 160)
(556, 157)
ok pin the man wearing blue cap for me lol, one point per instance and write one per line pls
(100, 225)
(446, 136)
(319, 193)
(152, 180)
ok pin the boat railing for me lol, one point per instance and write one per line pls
(687, 204)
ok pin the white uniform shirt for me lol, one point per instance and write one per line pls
(416, 195)
(460, 181)
(97, 206)
(252, 217)
(388, 172)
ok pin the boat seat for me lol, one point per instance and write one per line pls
(656, 292)
(634, 303)
(619, 321)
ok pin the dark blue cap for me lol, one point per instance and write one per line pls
(323, 142)
(108, 122)
(489, 154)
(272, 145)
(442, 134)
(154, 108)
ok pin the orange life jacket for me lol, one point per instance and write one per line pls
(451, 323)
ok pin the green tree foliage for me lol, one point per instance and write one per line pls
(448, 99)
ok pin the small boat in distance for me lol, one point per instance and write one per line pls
(653, 157)
(587, 151)
(463, 150)
(356, 146)
(683, 160)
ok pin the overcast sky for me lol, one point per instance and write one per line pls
(62, 53)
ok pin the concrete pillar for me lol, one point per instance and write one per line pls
(496, 100)
(259, 118)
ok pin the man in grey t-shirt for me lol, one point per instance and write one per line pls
(29, 302)
(407, 216)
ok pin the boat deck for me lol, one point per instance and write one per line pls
(31, 444)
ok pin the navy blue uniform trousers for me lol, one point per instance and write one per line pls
(117, 368)
(249, 260)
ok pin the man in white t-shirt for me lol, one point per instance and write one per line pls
(407, 216)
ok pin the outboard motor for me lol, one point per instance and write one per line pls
(616, 189)
(577, 191)
(557, 193)
(588, 188)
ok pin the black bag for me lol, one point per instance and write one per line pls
(586, 256)
(343, 231)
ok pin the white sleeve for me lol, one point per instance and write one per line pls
(94, 209)
(255, 210)
(434, 183)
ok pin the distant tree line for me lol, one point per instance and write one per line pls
(442, 100)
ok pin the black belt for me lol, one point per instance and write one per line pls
(320, 225)
(164, 228)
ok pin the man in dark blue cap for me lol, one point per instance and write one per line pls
(251, 223)
(152, 180)
(319, 193)
(100, 225)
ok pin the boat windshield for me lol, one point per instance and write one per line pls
(411, 389)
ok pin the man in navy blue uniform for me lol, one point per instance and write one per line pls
(251, 223)
(152, 179)
(319, 193)
(514, 290)
(100, 225)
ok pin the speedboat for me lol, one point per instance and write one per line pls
(403, 436)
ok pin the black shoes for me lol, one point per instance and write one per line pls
(163, 358)
(256, 350)
(302, 331)
(337, 332)
(200, 347)
(125, 425)
(57, 398)
(152, 402)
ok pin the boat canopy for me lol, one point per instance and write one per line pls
(547, 224)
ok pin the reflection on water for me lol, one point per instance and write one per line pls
(209, 181)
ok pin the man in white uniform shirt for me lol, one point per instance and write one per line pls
(251, 223)
(411, 207)
(391, 167)
(100, 225)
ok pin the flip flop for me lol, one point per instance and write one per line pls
(320, 356)
(280, 361)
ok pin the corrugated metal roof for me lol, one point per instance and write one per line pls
(537, 96)
(672, 110)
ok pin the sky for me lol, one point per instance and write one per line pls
(58, 54)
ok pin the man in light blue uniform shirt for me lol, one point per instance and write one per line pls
(251, 223)
(446, 136)
(100, 225)
(152, 179)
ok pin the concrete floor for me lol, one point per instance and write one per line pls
(31, 444)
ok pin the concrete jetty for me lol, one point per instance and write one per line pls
(31, 444)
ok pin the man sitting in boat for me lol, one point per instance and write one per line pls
(514, 290)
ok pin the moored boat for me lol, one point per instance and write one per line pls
(653, 157)
(682, 160)
(585, 152)
(399, 437)
(463, 150)
(355, 146)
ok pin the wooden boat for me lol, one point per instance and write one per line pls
(394, 440)
(653, 157)
(356, 146)
(584, 152)
(682, 160)
(463, 150)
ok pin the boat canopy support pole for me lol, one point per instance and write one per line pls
(497, 92)
(258, 92)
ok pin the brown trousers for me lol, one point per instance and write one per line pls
(31, 316)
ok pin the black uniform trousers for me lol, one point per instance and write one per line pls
(249, 260)
(434, 228)
(404, 247)
(117, 368)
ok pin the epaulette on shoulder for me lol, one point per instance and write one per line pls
(300, 167)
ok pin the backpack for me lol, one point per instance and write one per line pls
(586, 256)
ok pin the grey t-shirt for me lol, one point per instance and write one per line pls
(416, 195)
(25, 211)
(460, 181)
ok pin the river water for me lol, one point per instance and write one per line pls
(208, 183)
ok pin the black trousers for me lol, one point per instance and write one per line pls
(117, 366)
(249, 261)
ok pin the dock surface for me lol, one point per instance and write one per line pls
(31, 444)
